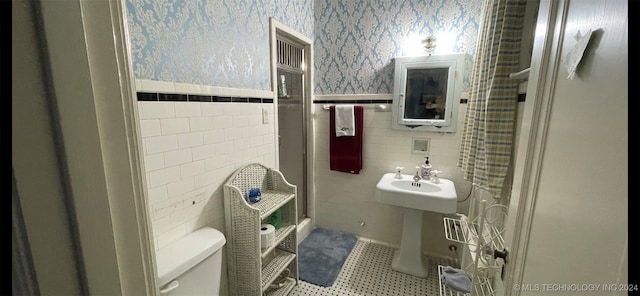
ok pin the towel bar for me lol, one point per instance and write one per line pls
(377, 107)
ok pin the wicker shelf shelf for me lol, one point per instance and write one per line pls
(289, 284)
(281, 234)
(251, 269)
(274, 267)
(271, 201)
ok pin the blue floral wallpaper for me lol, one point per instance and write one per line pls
(217, 42)
(355, 40)
(226, 43)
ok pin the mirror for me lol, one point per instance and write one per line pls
(426, 92)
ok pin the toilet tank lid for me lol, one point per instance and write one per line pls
(183, 254)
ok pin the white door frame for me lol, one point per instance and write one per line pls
(90, 84)
(278, 28)
(545, 61)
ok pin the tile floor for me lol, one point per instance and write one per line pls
(367, 272)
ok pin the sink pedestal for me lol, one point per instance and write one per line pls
(414, 197)
(408, 259)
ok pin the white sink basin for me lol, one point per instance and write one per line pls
(422, 195)
(415, 198)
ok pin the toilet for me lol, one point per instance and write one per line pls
(191, 265)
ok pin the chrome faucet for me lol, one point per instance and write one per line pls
(417, 177)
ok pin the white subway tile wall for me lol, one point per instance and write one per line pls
(150, 127)
(343, 200)
(190, 149)
(157, 110)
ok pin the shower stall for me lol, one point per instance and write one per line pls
(292, 123)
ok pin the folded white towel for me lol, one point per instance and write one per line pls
(345, 121)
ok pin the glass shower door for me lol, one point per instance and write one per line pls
(291, 133)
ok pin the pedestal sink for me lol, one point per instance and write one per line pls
(415, 198)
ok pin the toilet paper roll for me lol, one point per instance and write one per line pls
(267, 235)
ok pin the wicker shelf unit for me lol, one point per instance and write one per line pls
(253, 269)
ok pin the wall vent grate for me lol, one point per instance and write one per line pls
(290, 56)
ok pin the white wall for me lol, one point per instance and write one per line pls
(191, 148)
(580, 217)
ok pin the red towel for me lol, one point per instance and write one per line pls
(345, 153)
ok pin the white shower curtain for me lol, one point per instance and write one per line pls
(488, 130)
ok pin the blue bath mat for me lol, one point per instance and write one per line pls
(322, 254)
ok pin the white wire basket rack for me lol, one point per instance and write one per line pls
(483, 237)
(481, 286)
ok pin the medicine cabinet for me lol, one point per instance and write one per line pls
(426, 92)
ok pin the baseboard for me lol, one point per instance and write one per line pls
(397, 246)
(304, 228)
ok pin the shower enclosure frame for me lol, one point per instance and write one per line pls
(278, 29)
